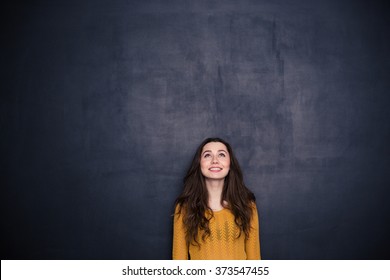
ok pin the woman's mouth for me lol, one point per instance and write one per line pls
(215, 169)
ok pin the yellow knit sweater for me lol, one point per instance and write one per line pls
(222, 244)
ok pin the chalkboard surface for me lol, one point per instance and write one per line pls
(103, 104)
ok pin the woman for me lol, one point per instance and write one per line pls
(216, 215)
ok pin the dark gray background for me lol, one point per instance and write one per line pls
(103, 104)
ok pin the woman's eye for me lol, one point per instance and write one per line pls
(207, 155)
(222, 155)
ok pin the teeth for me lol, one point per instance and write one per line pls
(215, 168)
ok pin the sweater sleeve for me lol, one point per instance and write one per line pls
(252, 244)
(180, 247)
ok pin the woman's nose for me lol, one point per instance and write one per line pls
(215, 160)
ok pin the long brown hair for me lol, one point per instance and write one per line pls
(193, 201)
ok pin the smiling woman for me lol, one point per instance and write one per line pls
(216, 215)
(214, 163)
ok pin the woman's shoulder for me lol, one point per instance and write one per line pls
(253, 205)
(180, 208)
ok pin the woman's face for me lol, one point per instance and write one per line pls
(215, 160)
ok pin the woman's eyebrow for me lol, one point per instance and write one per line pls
(211, 151)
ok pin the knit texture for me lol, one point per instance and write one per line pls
(222, 244)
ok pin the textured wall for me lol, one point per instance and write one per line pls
(104, 103)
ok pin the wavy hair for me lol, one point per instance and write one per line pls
(193, 201)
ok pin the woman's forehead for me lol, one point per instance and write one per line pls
(214, 146)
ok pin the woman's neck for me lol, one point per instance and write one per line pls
(214, 189)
